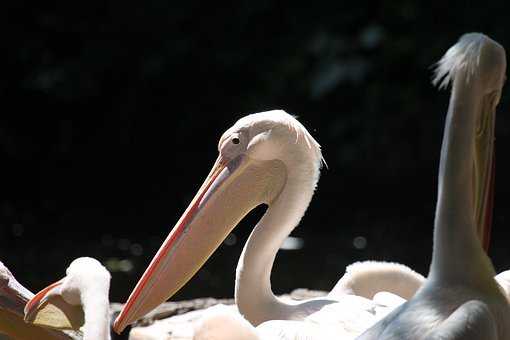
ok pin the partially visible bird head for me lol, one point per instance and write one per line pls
(59, 305)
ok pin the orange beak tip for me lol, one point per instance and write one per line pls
(117, 327)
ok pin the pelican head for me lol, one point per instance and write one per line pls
(72, 301)
(256, 157)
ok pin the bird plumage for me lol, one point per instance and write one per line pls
(460, 299)
(86, 287)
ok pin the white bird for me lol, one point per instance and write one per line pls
(265, 158)
(83, 299)
(13, 298)
(461, 299)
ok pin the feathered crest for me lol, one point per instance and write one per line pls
(295, 127)
(301, 132)
(464, 56)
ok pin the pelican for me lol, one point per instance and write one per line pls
(83, 299)
(461, 299)
(13, 297)
(265, 158)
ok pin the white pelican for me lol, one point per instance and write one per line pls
(13, 297)
(461, 299)
(265, 158)
(82, 297)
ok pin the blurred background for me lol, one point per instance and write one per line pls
(112, 111)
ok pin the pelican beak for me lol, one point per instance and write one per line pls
(48, 309)
(484, 169)
(232, 189)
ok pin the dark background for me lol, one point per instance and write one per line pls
(111, 112)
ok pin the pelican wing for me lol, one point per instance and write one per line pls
(472, 320)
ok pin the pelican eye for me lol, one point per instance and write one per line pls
(235, 140)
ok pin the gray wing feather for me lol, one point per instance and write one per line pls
(471, 321)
